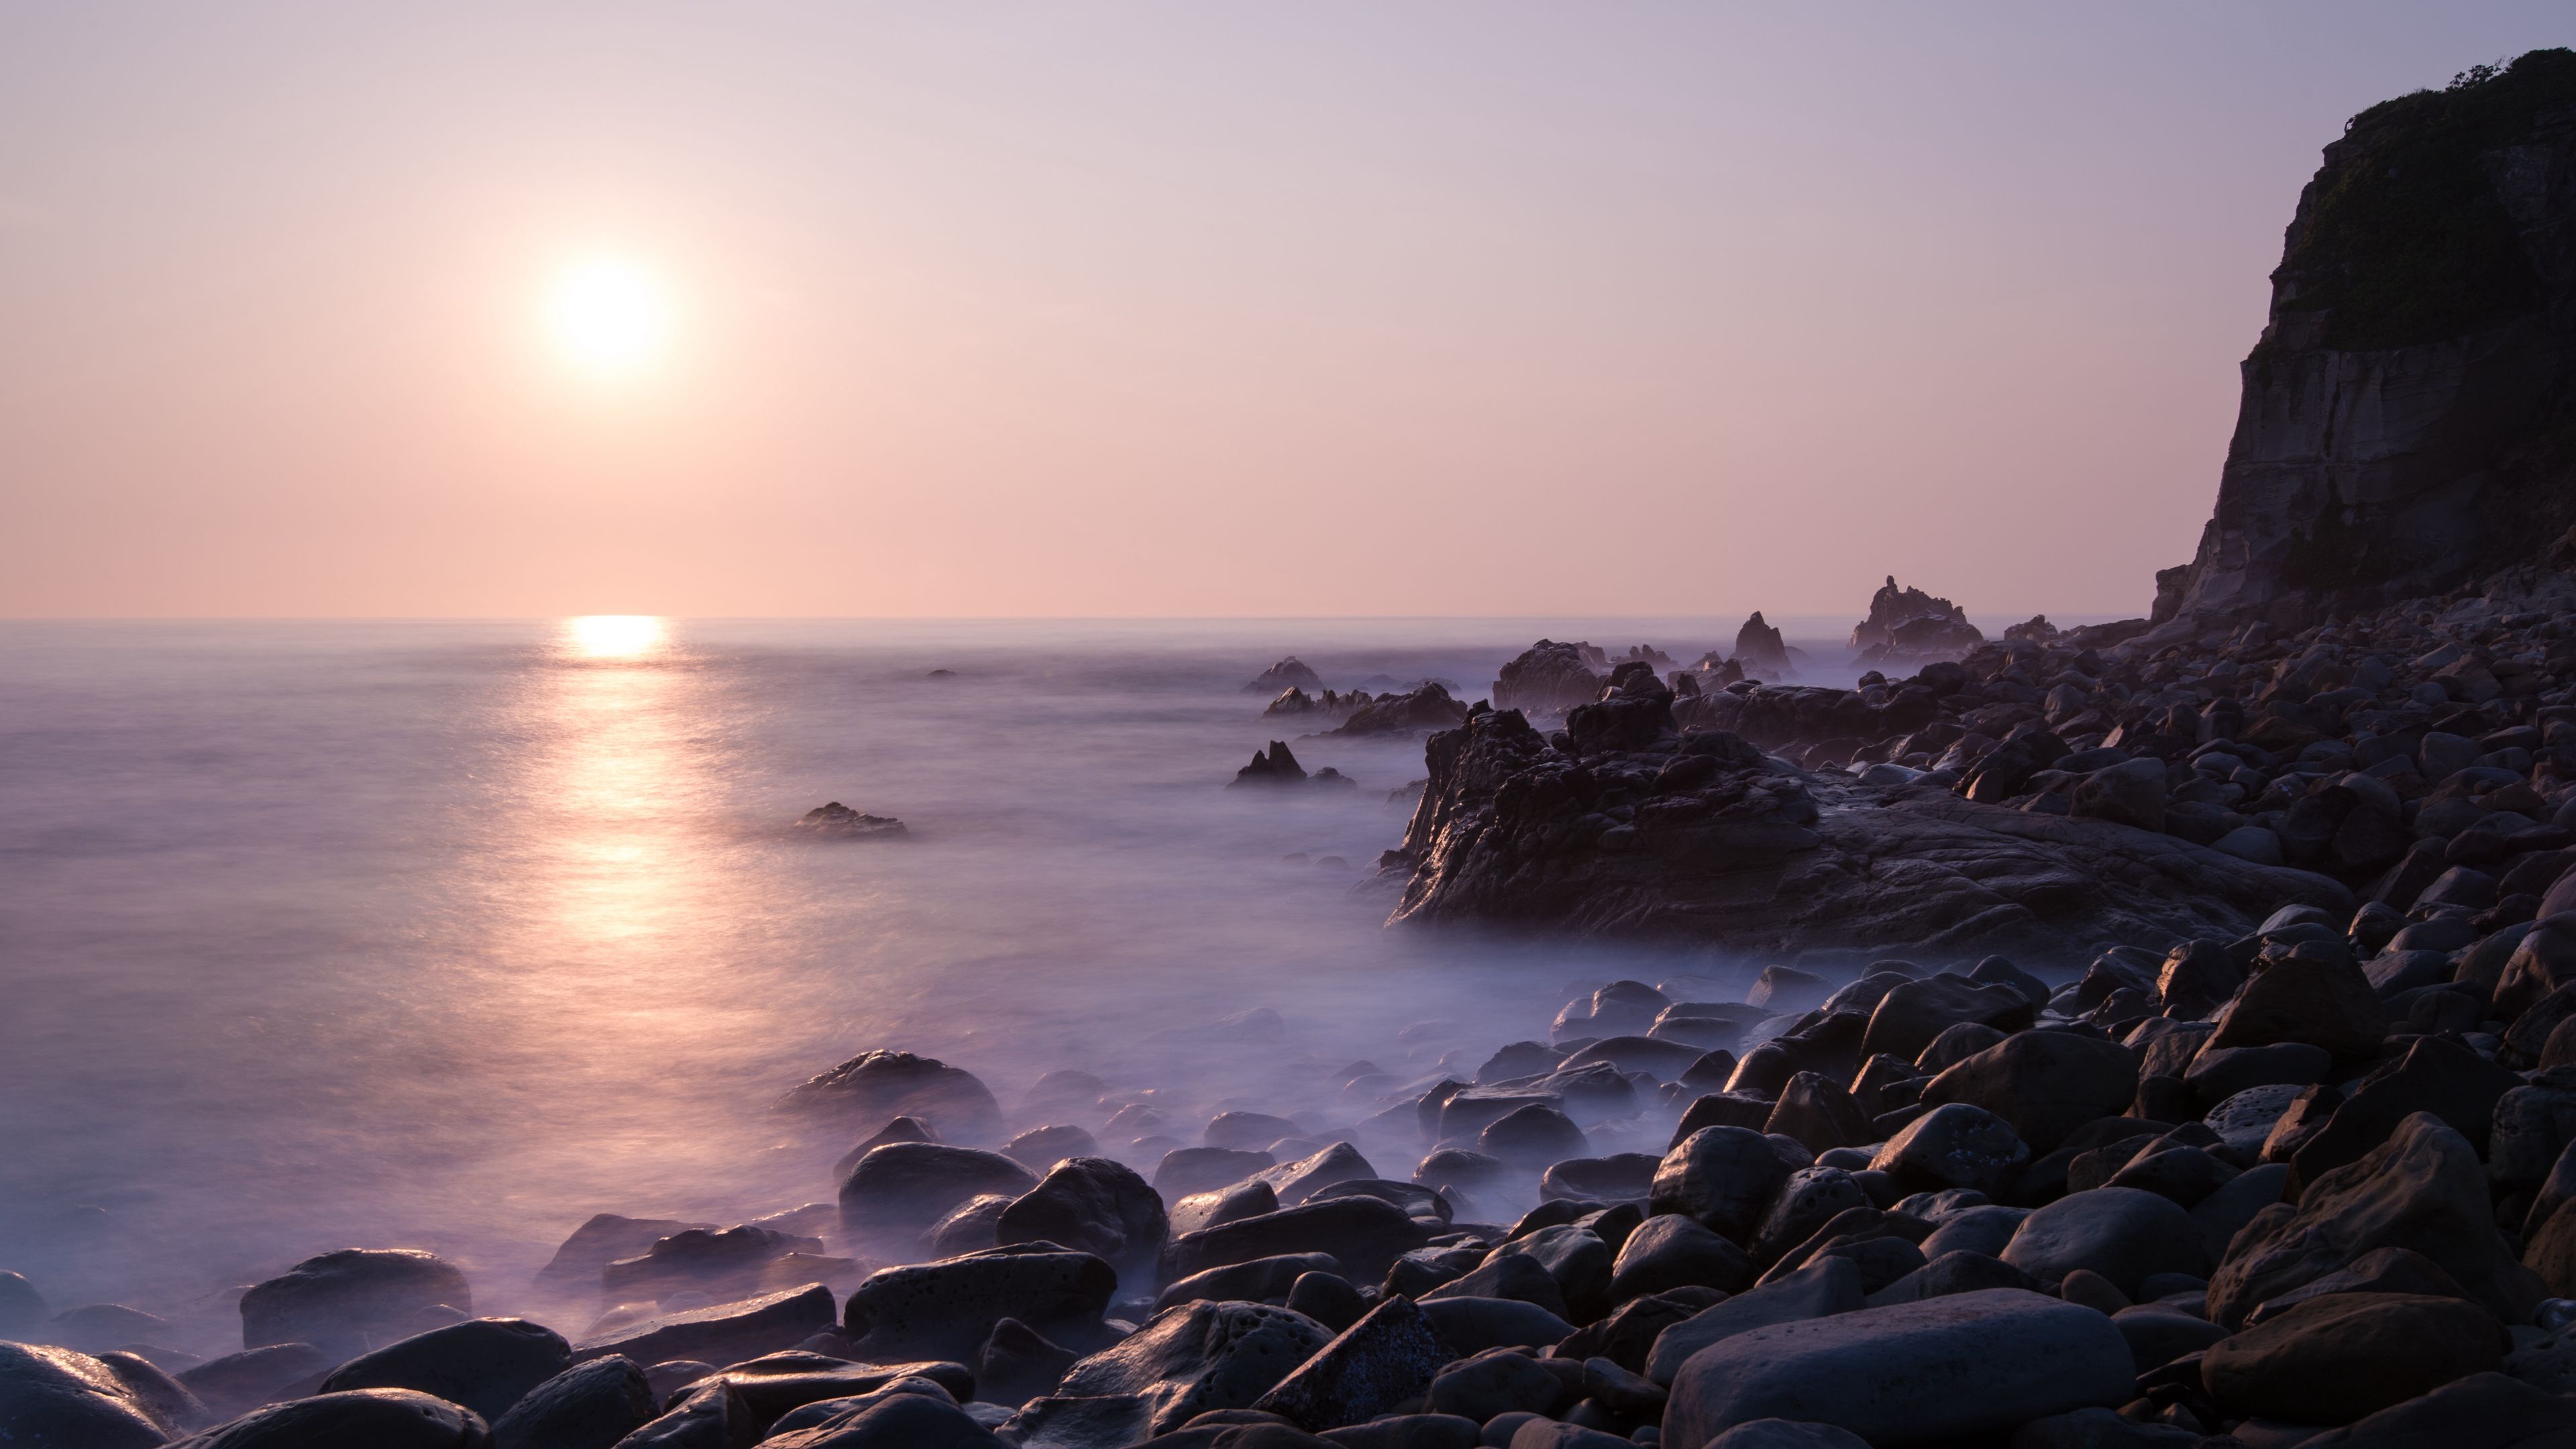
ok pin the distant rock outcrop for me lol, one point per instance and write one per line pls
(2408, 420)
(1418, 712)
(1550, 677)
(842, 822)
(1277, 767)
(1288, 673)
(1909, 625)
(1760, 651)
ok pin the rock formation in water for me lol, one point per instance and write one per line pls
(1288, 673)
(1910, 626)
(1416, 712)
(1550, 678)
(2409, 413)
(843, 823)
(1760, 652)
(1278, 769)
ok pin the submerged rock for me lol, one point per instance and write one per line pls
(843, 823)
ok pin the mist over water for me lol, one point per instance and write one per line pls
(451, 935)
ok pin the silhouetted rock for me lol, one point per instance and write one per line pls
(843, 823)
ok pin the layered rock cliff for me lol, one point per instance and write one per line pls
(2408, 420)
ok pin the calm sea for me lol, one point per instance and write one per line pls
(451, 934)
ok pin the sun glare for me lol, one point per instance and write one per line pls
(609, 318)
(613, 636)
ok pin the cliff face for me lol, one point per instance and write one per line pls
(2409, 415)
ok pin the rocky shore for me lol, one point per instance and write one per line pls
(2164, 1033)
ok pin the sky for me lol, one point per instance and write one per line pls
(1151, 309)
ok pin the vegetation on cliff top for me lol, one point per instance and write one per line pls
(2402, 238)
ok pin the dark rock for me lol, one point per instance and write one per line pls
(591, 1405)
(2337, 1358)
(1489, 1385)
(879, 1085)
(2219, 1073)
(1960, 1365)
(720, 1264)
(893, 1421)
(1954, 1145)
(840, 822)
(944, 1310)
(1951, 1272)
(764, 1390)
(1532, 1136)
(1408, 1431)
(899, 1190)
(1386, 1359)
(56, 1398)
(1288, 673)
(2043, 1084)
(1417, 711)
(2422, 1189)
(485, 1364)
(720, 1333)
(2381, 1270)
(1675, 1251)
(1516, 1276)
(575, 1268)
(1723, 1177)
(1787, 1434)
(1018, 1363)
(1986, 1230)
(1255, 1280)
(1628, 1334)
(242, 1381)
(344, 1302)
(1816, 1111)
(1471, 1325)
(2436, 1076)
(1206, 1356)
(1911, 1017)
(1363, 1234)
(376, 1418)
(2327, 1004)
(2121, 1233)
(1041, 1148)
(2479, 1409)
(1828, 1287)
(1547, 678)
(1091, 1205)
(1620, 1177)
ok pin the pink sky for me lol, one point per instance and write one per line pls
(1149, 309)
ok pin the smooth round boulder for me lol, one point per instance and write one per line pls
(1787, 1434)
(2336, 1358)
(1091, 1205)
(1959, 1366)
(2123, 1233)
(1724, 1177)
(1203, 1357)
(1954, 1145)
(57, 1398)
(349, 1301)
(879, 1085)
(945, 1310)
(2324, 1003)
(2043, 1084)
(1675, 1251)
(899, 1190)
(1533, 1136)
(485, 1364)
(588, 1406)
(376, 1418)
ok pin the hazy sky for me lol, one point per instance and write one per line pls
(1188, 308)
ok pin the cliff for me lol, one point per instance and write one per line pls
(2408, 420)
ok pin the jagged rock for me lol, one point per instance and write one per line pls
(1388, 1358)
(1550, 678)
(2422, 1190)
(841, 822)
(1420, 711)
(2043, 1084)
(1277, 767)
(1727, 849)
(1288, 673)
(1759, 649)
(1909, 625)
(1209, 1355)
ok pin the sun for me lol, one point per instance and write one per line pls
(608, 317)
(613, 636)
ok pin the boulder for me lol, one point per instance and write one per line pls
(1091, 1205)
(722, 1332)
(2484, 1409)
(767, 1389)
(2323, 1003)
(1489, 1385)
(2043, 1084)
(879, 1085)
(945, 1310)
(347, 1301)
(898, 1191)
(2121, 1233)
(1675, 1251)
(2436, 1076)
(1955, 1145)
(1255, 1280)
(55, 1398)
(1208, 1355)
(242, 1381)
(485, 1364)
(1816, 1111)
(1950, 1367)
(1723, 1177)
(1787, 1434)
(574, 1269)
(2422, 1189)
(1387, 1358)
(2340, 1357)
(591, 1405)
(1471, 1325)
(1828, 1286)
(376, 1418)
(1187, 1170)
(1364, 1234)
(1909, 1018)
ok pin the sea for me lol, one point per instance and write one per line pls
(449, 935)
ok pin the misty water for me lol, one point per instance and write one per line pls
(451, 935)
